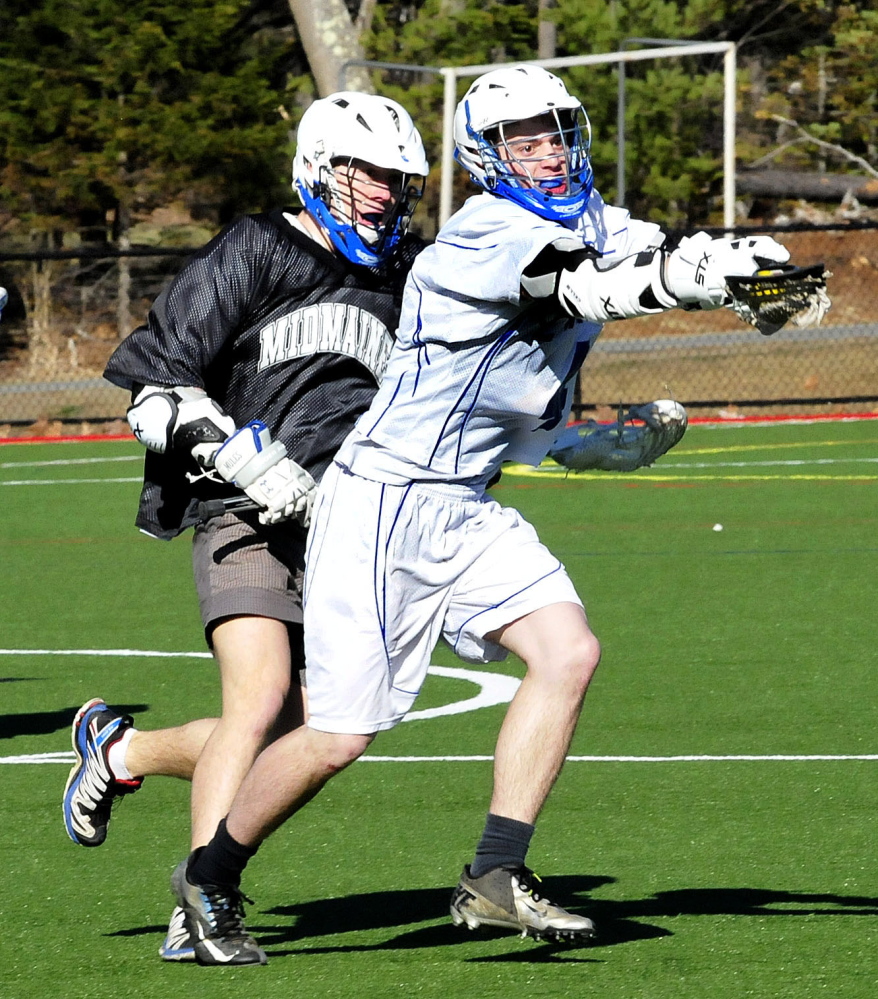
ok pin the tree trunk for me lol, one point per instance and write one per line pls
(547, 32)
(330, 40)
(810, 186)
(122, 239)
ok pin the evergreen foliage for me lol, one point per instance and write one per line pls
(108, 108)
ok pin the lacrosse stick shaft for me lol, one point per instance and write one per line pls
(208, 509)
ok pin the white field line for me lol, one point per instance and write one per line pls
(142, 653)
(69, 757)
(64, 482)
(766, 464)
(495, 688)
(69, 461)
(557, 471)
(703, 758)
(550, 469)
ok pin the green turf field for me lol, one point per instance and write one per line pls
(712, 878)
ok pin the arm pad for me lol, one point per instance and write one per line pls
(598, 289)
(691, 273)
(182, 417)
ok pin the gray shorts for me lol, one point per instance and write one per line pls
(243, 567)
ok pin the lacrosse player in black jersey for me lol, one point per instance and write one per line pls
(251, 369)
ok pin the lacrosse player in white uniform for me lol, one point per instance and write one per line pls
(406, 547)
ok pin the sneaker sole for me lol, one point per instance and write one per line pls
(76, 772)
(569, 937)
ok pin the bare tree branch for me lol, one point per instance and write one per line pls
(830, 147)
(774, 153)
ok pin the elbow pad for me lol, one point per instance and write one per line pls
(182, 418)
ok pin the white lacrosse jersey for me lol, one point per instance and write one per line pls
(478, 376)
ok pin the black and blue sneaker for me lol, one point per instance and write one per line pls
(91, 787)
(177, 945)
(213, 917)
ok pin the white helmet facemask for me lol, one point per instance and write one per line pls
(520, 156)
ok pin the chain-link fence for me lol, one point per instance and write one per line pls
(68, 310)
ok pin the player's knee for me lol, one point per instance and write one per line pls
(338, 751)
(583, 657)
(574, 663)
(256, 716)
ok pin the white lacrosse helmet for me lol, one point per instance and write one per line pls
(515, 94)
(376, 130)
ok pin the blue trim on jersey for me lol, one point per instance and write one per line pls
(389, 404)
(462, 246)
(511, 596)
(381, 599)
(416, 339)
(479, 375)
(423, 351)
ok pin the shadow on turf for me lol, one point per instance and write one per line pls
(47, 722)
(618, 922)
(400, 909)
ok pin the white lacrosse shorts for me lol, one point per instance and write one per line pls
(391, 569)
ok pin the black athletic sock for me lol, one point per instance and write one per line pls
(504, 843)
(221, 862)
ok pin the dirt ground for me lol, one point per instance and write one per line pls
(62, 393)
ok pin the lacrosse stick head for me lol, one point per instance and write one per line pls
(640, 435)
(776, 295)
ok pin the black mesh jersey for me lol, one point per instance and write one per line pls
(273, 327)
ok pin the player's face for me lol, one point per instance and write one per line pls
(536, 150)
(368, 193)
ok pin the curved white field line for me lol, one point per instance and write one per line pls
(494, 688)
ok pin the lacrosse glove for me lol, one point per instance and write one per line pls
(624, 445)
(260, 466)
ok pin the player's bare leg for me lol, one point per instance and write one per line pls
(286, 776)
(561, 655)
(253, 654)
(168, 752)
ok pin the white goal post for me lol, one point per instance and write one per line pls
(451, 74)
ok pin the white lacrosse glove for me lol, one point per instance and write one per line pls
(4, 298)
(624, 445)
(696, 271)
(260, 466)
